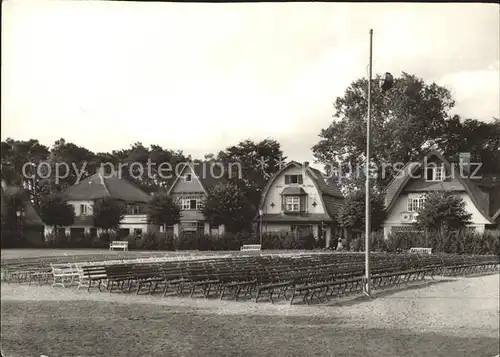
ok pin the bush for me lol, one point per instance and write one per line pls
(10, 238)
(233, 241)
(287, 240)
(447, 241)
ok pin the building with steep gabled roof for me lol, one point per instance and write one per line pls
(100, 185)
(406, 192)
(190, 189)
(299, 198)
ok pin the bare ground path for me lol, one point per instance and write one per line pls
(449, 318)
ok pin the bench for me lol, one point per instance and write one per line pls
(147, 275)
(92, 274)
(119, 276)
(62, 273)
(325, 289)
(250, 247)
(418, 250)
(118, 244)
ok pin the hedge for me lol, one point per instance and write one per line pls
(441, 241)
(167, 241)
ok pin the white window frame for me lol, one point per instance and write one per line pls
(438, 173)
(185, 203)
(292, 203)
(297, 176)
(83, 209)
(415, 203)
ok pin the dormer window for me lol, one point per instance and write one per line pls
(293, 179)
(292, 203)
(188, 178)
(434, 173)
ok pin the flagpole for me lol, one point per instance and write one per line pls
(367, 174)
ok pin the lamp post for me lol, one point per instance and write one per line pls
(385, 84)
(20, 216)
(260, 226)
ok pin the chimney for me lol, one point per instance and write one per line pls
(464, 160)
(306, 164)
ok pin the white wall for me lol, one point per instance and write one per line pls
(128, 222)
(278, 185)
(77, 204)
(395, 215)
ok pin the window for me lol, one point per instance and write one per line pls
(292, 203)
(301, 230)
(191, 203)
(138, 232)
(189, 226)
(415, 203)
(188, 178)
(293, 179)
(185, 204)
(434, 173)
(83, 210)
(123, 232)
(132, 210)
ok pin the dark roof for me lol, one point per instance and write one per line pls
(496, 216)
(100, 185)
(207, 172)
(294, 191)
(311, 217)
(489, 181)
(327, 186)
(328, 189)
(478, 197)
(31, 217)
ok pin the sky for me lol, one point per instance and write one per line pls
(201, 77)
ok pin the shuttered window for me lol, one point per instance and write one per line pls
(294, 179)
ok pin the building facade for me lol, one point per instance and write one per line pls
(299, 199)
(406, 194)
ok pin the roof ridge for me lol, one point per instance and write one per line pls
(103, 182)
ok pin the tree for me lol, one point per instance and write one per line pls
(19, 154)
(226, 204)
(252, 179)
(108, 213)
(12, 202)
(480, 139)
(443, 209)
(55, 211)
(352, 211)
(163, 211)
(72, 162)
(404, 120)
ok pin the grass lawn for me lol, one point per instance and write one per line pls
(91, 328)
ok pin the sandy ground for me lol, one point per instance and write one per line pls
(464, 306)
